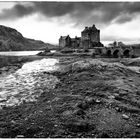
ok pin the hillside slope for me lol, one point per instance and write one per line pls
(12, 40)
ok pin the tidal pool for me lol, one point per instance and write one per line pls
(27, 83)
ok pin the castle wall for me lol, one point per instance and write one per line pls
(136, 51)
(62, 43)
(95, 36)
(85, 44)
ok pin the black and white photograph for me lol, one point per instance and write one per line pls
(69, 69)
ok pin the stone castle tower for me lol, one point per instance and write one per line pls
(90, 36)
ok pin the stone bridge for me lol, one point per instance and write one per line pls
(125, 51)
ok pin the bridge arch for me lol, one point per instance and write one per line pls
(116, 53)
(126, 53)
(108, 53)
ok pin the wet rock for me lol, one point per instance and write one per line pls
(98, 101)
(138, 125)
(55, 125)
(125, 116)
(111, 97)
(118, 109)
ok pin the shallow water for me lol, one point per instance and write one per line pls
(27, 83)
(19, 53)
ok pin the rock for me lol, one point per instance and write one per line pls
(118, 109)
(116, 94)
(55, 125)
(98, 101)
(111, 97)
(90, 100)
(80, 126)
(4, 69)
(67, 113)
(13, 122)
(19, 136)
(125, 116)
(138, 125)
(83, 105)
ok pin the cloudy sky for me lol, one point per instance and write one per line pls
(46, 21)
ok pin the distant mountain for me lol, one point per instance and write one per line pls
(12, 40)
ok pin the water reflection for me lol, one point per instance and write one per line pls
(19, 53)
(27, 83)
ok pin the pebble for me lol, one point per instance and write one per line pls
(55, 125)
(125, 116)
(118, 109)
(111, 97)
(13, 121)
(138, 125)
(97, 101)
(19, 136)
(89, 99)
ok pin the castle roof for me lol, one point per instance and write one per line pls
(88, 29)
(64, 37)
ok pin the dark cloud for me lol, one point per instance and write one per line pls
(79, 12)
(15, 12)
(51, 9)
(124, 18)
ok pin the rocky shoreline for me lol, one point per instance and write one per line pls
(94, 98)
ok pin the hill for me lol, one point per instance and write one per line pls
(12, 40)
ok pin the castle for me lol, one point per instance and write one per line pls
(90, 38)
(90, 42)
